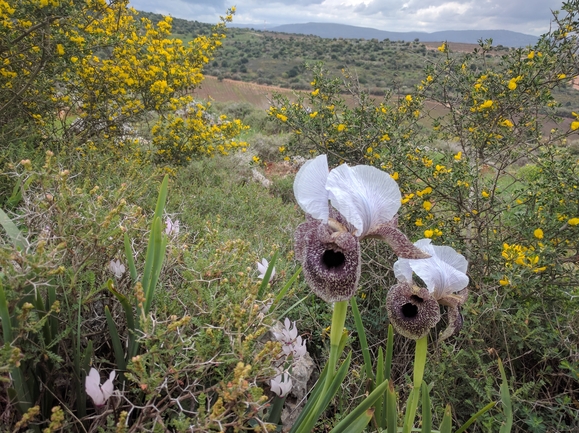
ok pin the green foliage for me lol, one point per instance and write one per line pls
(323, 122)
(485, 176)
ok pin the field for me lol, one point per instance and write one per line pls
(227, 90)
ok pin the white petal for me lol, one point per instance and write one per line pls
(92, 386)
(440, 277)
(310, 188)
(403, 271)
(364, 195)
(444, 272)
(108, 387)
(275, 385)
(286, 386)
(450, 256)
(293, 333)
(262, 267)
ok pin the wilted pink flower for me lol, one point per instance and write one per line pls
(97, 392)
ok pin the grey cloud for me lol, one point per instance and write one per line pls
(212, 4)
(515, 10)
(519, 15)
(293, 3)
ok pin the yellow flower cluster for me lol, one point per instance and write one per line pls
(522, 256)
(432, 233)
(178, 139)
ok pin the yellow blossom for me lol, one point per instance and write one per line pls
(427, 205)
(538, 233)
(314, 114)
(458, 156)
(573, 221)
(574, 125)
(486, 104)
(442, 48)
(504, 281)
(419, 222)
(561, 76)
(394, 175)
(408, 98)
(60, 49)
(485, 194)
(507, 123)
(315, 92)
(428, 233)
(341, 127)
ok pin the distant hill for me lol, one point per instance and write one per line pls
(329, 30)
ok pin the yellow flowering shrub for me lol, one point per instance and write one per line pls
(104, 71)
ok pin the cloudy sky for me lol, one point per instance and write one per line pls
(525, 16)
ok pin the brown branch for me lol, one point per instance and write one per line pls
(30, 30)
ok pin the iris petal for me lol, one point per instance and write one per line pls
(443, 273)
(331, 260)
(310, 188)
(364, 195)
(403, 271)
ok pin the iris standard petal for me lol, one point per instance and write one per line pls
(310, 188)
(444, 272)
(403, 271)
(364, 195)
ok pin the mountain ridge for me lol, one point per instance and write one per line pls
(506, 38)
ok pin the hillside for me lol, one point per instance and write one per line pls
(331, 30)
(278, 59)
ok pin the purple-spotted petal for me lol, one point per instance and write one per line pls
(310, 188)
(364, 195)
(331, 260)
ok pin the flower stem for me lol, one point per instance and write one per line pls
(419, 364)
(420, 361)
(336, 330)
